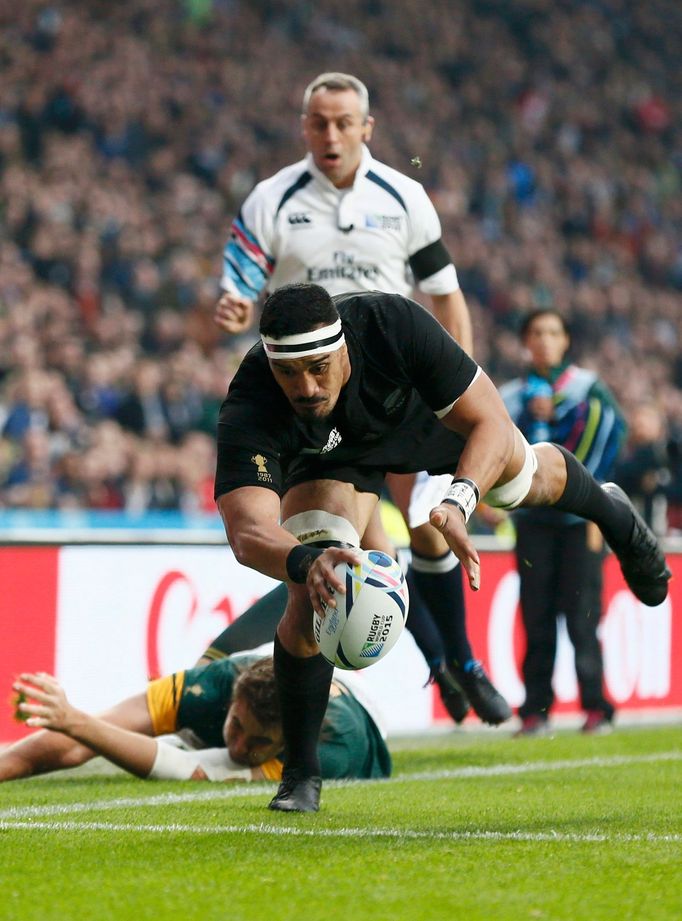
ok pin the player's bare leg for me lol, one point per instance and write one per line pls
(556, 478)
(462, 679)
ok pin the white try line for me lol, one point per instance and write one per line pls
(220, 793)
(404, 834)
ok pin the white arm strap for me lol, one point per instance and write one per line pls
(175, 764)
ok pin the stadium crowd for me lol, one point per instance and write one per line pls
(547, 132)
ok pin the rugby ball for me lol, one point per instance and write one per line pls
(367, 621)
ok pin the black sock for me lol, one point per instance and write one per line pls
(257, 625)
(439, 582)
(422, 626)
(584, 496)
(303, 688)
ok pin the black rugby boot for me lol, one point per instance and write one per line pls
(297, 794)
(454, 699)
(641, 559)
(489, 705)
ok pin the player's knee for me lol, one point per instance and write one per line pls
(549, 481)
(321, 528)
(510, 494)
(315, 528)
(376, 538)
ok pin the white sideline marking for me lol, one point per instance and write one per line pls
(221, 793)
(399, 833)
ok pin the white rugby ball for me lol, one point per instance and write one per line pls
(367, 621)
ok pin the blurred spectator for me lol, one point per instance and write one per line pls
(29, 482)
(141, 410)
(152, 481)
(26, 406)
(196, 473)
(650, 470)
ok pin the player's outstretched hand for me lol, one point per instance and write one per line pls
(46, 703)
(323, 581)
(450, 522)
(233, 313)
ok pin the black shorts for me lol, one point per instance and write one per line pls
(433, 448)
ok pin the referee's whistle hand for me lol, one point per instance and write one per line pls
(450, 522)
(233, 314)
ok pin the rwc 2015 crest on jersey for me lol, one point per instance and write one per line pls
(383, 221)
(261, 463)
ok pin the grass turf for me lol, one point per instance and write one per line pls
(470, 826)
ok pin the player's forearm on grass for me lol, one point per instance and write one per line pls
(130, 750)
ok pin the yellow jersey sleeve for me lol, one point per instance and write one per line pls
(272, 769)
(163, 700)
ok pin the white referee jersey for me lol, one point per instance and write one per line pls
(382, 234)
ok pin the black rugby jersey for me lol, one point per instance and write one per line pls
(404, 368)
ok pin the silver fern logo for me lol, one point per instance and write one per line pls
(333, 441)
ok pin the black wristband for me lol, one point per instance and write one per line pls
(299, 561)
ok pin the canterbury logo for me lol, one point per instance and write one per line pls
(300, 217)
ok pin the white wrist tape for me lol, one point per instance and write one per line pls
(217, 765)
(463, 493)
(173, 763)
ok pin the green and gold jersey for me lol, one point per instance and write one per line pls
(351, 745)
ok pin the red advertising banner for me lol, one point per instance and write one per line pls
(104, 619)
(28, 581)
(642, 646)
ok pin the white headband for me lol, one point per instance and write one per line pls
(302, 345)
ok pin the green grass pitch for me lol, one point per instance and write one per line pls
(471, 826)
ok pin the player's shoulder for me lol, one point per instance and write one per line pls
(228, 669)
(219, 668)
(372, 302)
(253, 364)
(252, 386)
(275, 187)
(240, 661)
(407, 187)
(383, 312)
(207, 682)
